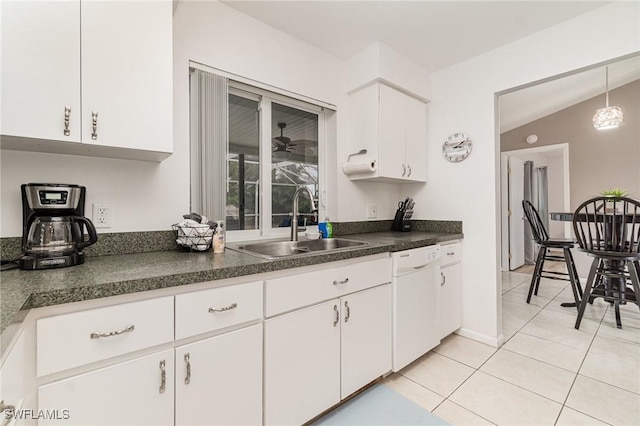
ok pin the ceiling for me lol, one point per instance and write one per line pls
(438, 34)
(434, 34)
(526, 105)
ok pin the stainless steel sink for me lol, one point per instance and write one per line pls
(281, 249)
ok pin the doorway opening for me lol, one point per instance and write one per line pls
(542, 176)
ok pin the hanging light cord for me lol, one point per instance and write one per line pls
(607, 86)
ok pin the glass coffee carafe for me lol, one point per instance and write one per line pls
(58, 235)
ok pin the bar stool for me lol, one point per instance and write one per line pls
(541, 237)
(608, 229)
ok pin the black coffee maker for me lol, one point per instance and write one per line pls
(52, 226)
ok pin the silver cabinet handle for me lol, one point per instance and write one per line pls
(346, 280)
(335, 308)
(348, 315)
(404, 170)
(451, 253)
(67, 115)
(187, 359)
(443, 279)
(97, 334)
(163, 376)
(226, 308)
(409, 167)
(94, 125)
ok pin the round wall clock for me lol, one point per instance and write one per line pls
(457, 147)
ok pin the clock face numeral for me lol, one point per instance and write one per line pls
(457, 147)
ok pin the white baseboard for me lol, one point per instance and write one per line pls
(496, 342)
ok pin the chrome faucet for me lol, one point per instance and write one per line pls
(294, 214)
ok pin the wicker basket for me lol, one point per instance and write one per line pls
(196, 237)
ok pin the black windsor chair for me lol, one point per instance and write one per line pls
(608, 229)
(541, 237)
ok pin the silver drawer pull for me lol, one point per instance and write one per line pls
(443, 279)
(346, 280)
(67, 114)
(187, 359)
(94, 125)
(163, 376)
(346, 317)
(335, 308)
(226, 308)
(97, 334)
(451, 253)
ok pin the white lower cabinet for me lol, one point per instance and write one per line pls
(137, 392)
(302, 364)
(366, 337)
(316, 356)
(219, 380)
(450, 289)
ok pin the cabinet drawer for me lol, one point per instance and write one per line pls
(78, 338)
(209, 310)
(295, 291)
(451, 253)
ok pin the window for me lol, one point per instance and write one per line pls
(266, 145)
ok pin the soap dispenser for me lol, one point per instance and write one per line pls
(218, 237)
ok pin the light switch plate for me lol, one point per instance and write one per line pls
(372, 211)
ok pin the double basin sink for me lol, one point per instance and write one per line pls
(284, 249)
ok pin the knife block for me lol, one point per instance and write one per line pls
(399, 224)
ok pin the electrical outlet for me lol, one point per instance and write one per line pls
(102, 215)
(372, 211)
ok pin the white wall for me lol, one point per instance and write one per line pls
(463, 100)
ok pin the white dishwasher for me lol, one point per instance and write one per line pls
(416, 296)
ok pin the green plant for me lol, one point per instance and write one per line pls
(614, 192)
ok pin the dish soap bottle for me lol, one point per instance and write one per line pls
(325, 228)
(218, 237)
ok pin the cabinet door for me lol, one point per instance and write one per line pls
(450, 296)
(127, 74)
(40, 69)
(366, 337)
(302, 364)
(219, 380)
(416, 140)
(416, 315)
(138, 392)
(392, 133)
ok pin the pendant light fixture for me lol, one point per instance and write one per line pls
(607, 117)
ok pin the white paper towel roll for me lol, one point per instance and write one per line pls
(362, 166)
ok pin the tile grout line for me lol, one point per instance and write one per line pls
(564, 404)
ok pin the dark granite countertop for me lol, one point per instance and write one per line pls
(105, 276)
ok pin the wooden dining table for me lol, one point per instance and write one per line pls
(616, 283)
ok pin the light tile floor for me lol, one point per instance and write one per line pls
(547, 372)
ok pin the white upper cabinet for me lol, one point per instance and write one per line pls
(41, 69)
(94, 72)
(392, 127)
(127, 74)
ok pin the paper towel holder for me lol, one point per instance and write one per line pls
(362, 151)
